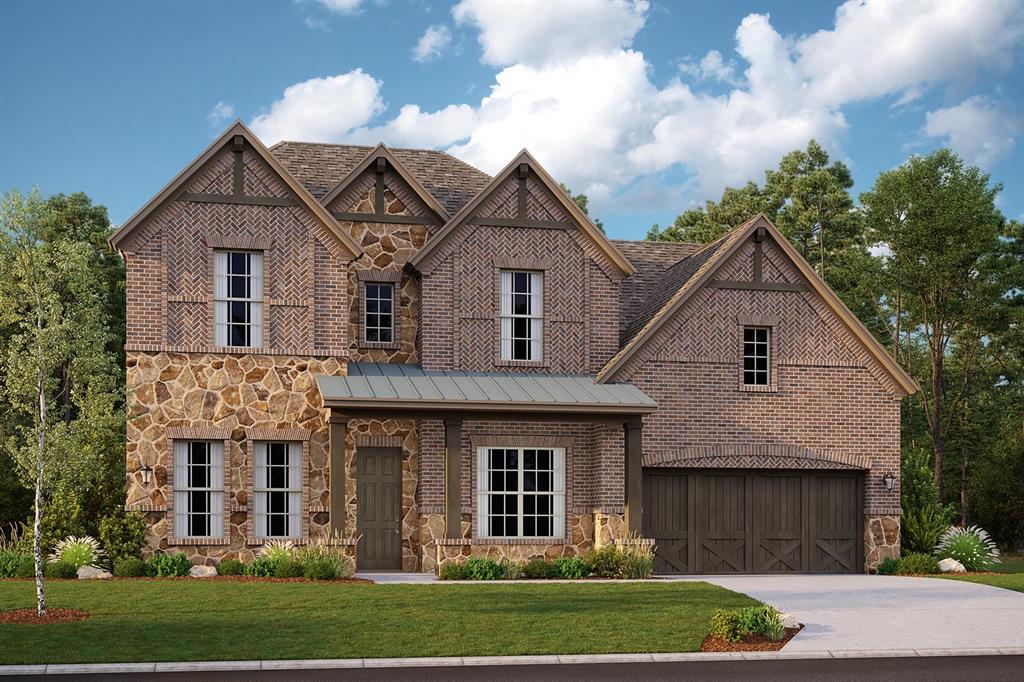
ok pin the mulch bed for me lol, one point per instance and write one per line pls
(31, 616)
(749, 643)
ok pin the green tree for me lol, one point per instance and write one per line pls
(706, 224)
(58, 378)
(940, 229)
(583, 202)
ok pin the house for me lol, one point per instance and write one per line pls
(397, 351)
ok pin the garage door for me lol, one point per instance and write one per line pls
(719, 521)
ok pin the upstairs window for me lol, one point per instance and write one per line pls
(198, 489)
(238, 298)
(756, 356)
(277, 490)
(379, 322)
(522, 321)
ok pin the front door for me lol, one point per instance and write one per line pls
(379, 501)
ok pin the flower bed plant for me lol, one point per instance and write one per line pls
(628, 561)
(971, 546)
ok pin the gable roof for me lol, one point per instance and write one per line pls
(381, 151)
(320, 167)
(237, 128)
(466, 212)
(689, 275)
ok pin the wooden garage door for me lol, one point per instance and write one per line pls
(754, 521)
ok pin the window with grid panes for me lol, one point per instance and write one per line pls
(521, 492)
(756, 352)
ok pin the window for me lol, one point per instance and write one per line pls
(521, 492)
(198, 489)
(277, 490)
(379, 323)
(755, 356)
(522, 320)
(237, 298)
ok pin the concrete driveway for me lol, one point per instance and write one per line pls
(888, 613)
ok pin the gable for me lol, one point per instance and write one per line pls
(400, 203)
(754, 273)
(523, 196)
(236, 170)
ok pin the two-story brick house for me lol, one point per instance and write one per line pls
(393, 349)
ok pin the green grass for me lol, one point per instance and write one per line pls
(1010, 575)
(161, 620)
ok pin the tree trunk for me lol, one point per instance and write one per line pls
(965, 517)
(938, 446)
(37, 525)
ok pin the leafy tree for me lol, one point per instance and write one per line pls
(939, 225)
(706, 224)
(58, 378)
(583, 202)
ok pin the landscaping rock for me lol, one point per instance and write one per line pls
(202, 572)
(951, 566)
(93, 573)
(789, 621)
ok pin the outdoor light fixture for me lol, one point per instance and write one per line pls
(147, 474)
(890, 482)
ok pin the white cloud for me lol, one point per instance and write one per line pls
(222, 111)
(321, 109)
(415, 128)
(341, 6)
(711, 66)
(535, 32)
(977, 129)
(433, 41)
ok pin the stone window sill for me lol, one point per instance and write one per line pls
(381, 345)
(520, 363)
(747, 388)
(196, 542)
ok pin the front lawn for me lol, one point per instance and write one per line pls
(1009, 574)
(177, 619)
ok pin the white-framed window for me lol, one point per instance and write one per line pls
(277, 489)
(756, 352)
(238, 298)
(520, 492)
(522, 315)
(198, 489)
(379, 317)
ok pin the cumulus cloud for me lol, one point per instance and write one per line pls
(340, 6)
(321, 109)
(978, 129)
(221, 112)
(432, 43)
(535, 32)
(572, 88)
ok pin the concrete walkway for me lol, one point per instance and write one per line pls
(887, 614)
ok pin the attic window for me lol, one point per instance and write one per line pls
(756, 356)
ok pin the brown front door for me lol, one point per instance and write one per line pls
(379, 504)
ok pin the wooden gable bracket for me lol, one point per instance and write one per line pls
(238, 195)
(758, 282)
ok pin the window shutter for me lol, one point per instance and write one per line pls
(180, 453)
(217, 494)
(482, 506)
(559, 491)
(295, 482)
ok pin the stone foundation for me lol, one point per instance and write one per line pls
(881, 539)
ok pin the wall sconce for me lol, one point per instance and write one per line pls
(147, 474)
(890, 482)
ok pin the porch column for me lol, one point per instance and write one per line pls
(338, 424)
(453, 477)
(634, 475)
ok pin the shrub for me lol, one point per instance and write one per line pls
(276, 550)
(452, 570)
(26, 567)
(288, 568)
(916, 563)
(725, 625)
(320, 549)
(479, 568)
(571, 568)
(230, 567)
(9, 560)
(889, 566)
(319, 569)
(129, 567)
(123, 534)
(540, 569)
(605, 562)
(511, 570)
(921, 528)
(261, 567)
(173, 565)
(61, 569)
(637, 561)
(732, 626)
(971, 546)
(78, 552)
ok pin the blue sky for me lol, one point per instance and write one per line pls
(649, 107)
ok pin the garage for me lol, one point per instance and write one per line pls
(754, 521)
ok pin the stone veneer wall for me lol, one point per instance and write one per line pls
(881, 539)
(235, 395)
